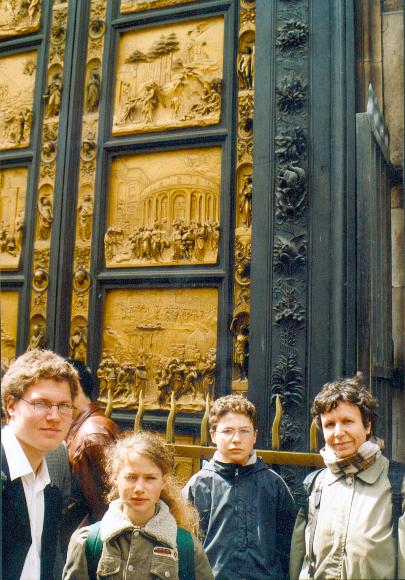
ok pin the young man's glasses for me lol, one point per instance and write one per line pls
(229, 432)
(43, 408)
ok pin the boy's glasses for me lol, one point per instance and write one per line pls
(229, 433)
(43, 408)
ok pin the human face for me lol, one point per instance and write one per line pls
(235, 447)
(343, 429)
(38, 433)
(140, 483)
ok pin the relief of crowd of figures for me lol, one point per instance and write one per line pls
(157, 342)
(171, 219)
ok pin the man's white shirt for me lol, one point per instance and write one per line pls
(34, 485)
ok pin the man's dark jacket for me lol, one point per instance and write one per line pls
(16, 539)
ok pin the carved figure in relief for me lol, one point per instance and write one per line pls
(18, 126)
(85, 210)
(33, 9)
(208, 368)
(8, 242)
(201, 235)
(45, 216)
(246, 68)
(88, 152)
(40, 280)
(241, 352)
(151, 96)
(93, 91)
(19, 230)
(37, 339)
(54, 95)
(141, 375)
(78, 343)
(245, 200)
(125, 379)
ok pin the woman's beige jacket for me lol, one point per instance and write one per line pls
(353, 537)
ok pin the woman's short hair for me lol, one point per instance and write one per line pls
(350, 390)
(31, 367)
(232, 404)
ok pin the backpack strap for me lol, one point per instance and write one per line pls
(310, 481)
(94, 547)
(396, 475)
(185, 547)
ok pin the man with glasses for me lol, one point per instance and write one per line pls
(246, 510)
(37, 393)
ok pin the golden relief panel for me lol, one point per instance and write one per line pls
(169, 77)
(164, 209)
(159, 342)
(9, 318)
(13, 190)
(17, 80)
(19, 17)
(140, 5)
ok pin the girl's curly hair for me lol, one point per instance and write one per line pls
(152, 446)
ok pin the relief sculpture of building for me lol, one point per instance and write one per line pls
(159, 342)
(164, 209)
(169, 77)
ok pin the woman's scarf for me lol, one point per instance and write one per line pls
(365, 456)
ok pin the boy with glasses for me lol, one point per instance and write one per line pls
(37, 393)
(247, 512)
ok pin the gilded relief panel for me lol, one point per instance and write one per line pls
(159, 342)
(140, 5)
(13, 189)
(9, 317)
(169, 77)
(17, 80)
(164, 209)
(19, 17)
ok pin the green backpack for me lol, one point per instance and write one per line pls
(94, 546)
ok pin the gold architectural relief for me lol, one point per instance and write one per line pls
(52, 98)
(13, 190)
(169, 77)
(164, 209)
(18, 18)
(244, 197)
(159, 342)
(81, 281)
(9, 318)
(17, 80)
(140, 5)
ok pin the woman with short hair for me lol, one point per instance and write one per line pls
(348, 530)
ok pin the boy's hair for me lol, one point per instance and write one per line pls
(232, 404)
(347, 391)
(85, 378)
(31, 367)
(152, 446)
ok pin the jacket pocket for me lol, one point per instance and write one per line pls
(109, 567)
(165, 569)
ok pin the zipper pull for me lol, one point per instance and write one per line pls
(237, 473)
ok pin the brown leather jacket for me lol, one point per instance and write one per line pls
(90, 433)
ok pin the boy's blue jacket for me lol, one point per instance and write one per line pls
(247, 517)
